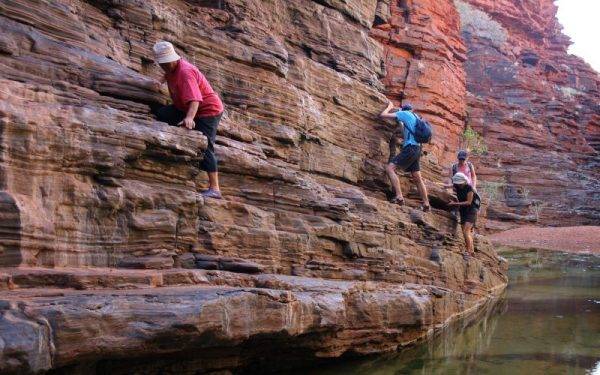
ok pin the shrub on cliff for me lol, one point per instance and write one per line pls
(491, 189)
(473, 142)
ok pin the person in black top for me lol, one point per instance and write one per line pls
(468, 204)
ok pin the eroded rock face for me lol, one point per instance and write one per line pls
(122, 261)
(538, 109)
(424, 56)
(220, 320)
(502, 68)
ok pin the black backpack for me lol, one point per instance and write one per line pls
(476, 200)
(423, 132)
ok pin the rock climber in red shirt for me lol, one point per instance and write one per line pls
(195, 106)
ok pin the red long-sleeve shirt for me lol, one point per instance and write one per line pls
(187, 84)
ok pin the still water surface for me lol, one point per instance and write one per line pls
(547, 322)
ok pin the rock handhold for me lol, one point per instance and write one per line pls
(147, 262)
(210, 262)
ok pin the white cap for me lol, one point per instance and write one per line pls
(164, 52)
(459, 179)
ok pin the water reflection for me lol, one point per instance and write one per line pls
(547, 322)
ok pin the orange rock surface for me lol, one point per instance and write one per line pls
(111, 259)
(501, 68)
(538, 109)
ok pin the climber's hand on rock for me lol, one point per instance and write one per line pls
(158, 85)
(188, 123)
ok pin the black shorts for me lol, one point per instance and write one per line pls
(206, 125)
(468, 215)
(408, 159)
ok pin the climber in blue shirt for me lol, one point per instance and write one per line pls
(408, 159)
(409, 120)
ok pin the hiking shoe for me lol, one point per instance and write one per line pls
(398, 201)
(454, 215)
(210, 193)
(426, 208)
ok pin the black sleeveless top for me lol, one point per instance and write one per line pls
(461, 193)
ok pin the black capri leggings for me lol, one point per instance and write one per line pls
(206, 125)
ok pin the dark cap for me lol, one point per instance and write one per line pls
(462, 155)
(407, 107)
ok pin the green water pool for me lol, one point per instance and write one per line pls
(546, 322)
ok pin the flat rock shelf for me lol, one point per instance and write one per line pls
(106, 321)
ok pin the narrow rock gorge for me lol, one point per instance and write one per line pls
(538, 108)
(112, 261)
(502, 68)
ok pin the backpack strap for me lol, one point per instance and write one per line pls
(408, 128)
(455, 168)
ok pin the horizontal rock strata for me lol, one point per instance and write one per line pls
(111, 257)
(119, 320)
(538, 110)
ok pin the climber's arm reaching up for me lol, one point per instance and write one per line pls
(387, 112)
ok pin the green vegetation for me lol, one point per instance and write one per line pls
(492, 189)
(537, 207)
(474, 142)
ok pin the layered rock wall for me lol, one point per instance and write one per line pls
(501, 68)
(110, 252)
(111, 256)
(102, 175)
(538, 109)
(424, 56)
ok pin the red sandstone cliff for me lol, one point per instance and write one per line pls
(110, 253)
(112, 258)
(538, 109)
(502, 68)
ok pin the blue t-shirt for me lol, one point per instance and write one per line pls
(409, 120)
